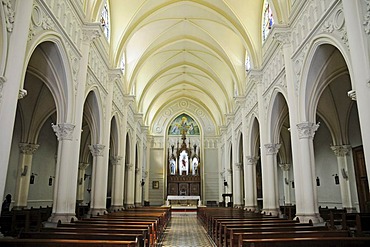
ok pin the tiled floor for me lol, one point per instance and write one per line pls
(185, 231)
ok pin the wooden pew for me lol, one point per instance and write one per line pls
(285, 234)
(230, 231)
(306, 242)
(137, 237)
(363, 224)
(65, 243)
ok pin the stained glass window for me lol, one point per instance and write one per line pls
(268, 20)
(247, 63)
(104, 20)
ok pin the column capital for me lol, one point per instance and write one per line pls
(115, 160)
(28, 148)
(83, 165)
(307, 130)
(283, 36)
(272, 148)
(97, 149)
(341, 150)
(90, 32)
(63, 131)
(137, 170)
(285, 167)
(251, 160)
(129, 166)
(238, 165)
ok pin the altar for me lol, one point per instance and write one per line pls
(183, 198)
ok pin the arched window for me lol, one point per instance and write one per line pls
(267, 20)
(104, 20)
(122, 64)
(247, 63)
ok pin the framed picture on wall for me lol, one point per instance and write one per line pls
(155, 185)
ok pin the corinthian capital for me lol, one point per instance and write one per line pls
(97, 149)
(251, 160)
(307, 130)
(285, 167)
(115, 160)
(272, 148)
(341, 151)
(28, 148)
(63, 131)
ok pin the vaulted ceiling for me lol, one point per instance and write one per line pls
(186, 49)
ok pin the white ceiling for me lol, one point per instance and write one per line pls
(194, 49)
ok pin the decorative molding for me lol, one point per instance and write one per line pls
(272, 149)
(22, 93)
(341, 150)
(28, 148)
(366, 21)
(307, 130)
(336, 26)
(115, 160)
(97, 149)
(9, 15)
(2, 82)
(63, 131)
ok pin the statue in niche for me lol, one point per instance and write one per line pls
(184, 163)
(195, 166)
(172, 167)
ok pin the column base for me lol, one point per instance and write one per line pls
(97, 211)
(350, 210)
(240, 206)
(271, 211)
(127, 206)
(62, 218)
(138, 205)
(250, 208)
(116, 208)
(306, 218)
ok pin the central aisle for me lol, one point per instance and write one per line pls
(185, 231)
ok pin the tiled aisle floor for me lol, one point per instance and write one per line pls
(185, 231)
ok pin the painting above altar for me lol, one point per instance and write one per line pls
(183, 124)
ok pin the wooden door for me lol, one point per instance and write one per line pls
(361, 179)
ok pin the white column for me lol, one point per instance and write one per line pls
(237, 200)
(129, 203)
(342, 153)
(269, 180)
(250, 183)
(23, 176)
(99, 181)
(65, 188)
(11, 80)
(304, 176)
(358, 29)
(117, 183)
(81, 182)
(286, 184)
